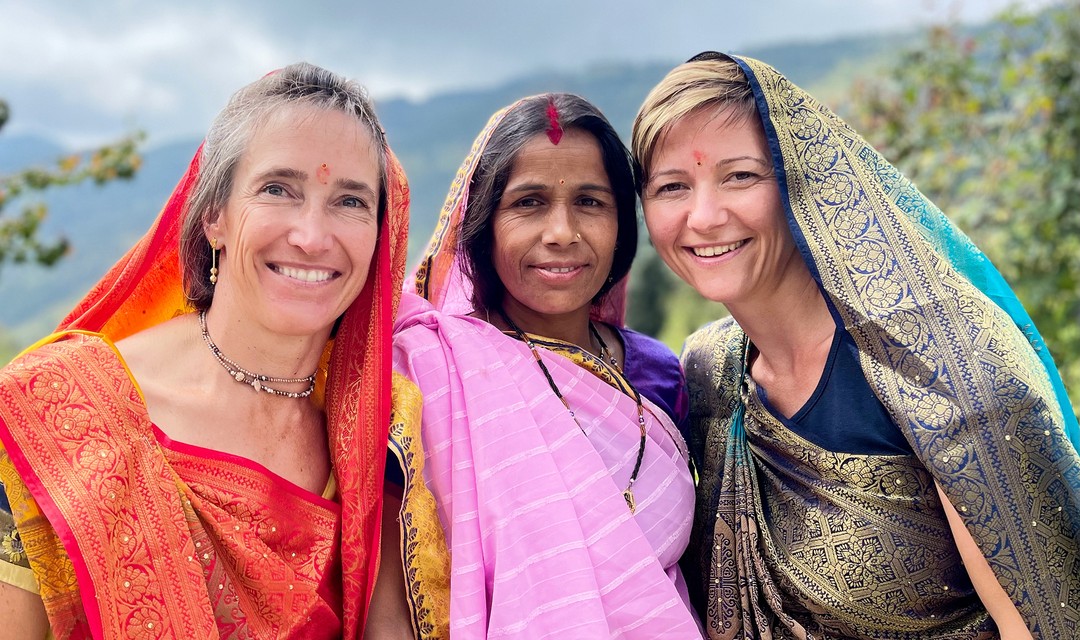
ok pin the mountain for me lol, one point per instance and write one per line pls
(431, 137)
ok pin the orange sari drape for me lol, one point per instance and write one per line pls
(107, 513)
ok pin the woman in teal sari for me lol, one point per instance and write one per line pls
(886, 449)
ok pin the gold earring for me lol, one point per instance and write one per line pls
(213, 261)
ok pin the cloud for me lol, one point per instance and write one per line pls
(88, 71)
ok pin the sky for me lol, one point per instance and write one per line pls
(85, 72)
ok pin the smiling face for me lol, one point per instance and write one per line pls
(555, 229)
(713, 209)
(299, 228)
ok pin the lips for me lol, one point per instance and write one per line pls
(304, 275)
(715, 250)
(559, 268)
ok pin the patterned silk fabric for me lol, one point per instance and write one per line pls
(424, 554)
(792, 541)
(75, 548)
(217, 521)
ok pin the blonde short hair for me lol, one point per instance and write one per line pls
(717, 83)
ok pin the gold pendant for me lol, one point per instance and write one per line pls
(628, 495)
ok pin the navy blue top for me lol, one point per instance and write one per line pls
(843, 415)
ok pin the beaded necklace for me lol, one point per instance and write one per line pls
(628, 493)
(255, 380)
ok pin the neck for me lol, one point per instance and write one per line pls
(788, 327)
(570, 327)
(262, 351)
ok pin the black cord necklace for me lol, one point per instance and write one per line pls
(605, 353)
(628, 493)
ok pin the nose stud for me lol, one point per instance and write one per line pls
(577, 237)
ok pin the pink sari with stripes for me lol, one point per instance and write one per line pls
(541, 541)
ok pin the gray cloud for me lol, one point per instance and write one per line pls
(87, 73)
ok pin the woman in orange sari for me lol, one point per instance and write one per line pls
(198, 452)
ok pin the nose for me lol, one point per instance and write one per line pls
(708, 210)
(560, 228)
(310, 230)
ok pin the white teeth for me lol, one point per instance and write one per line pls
(305, 275)
(560, 269)
(718, 250)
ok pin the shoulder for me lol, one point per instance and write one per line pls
(74, 374)
(714, 342)
(57, 356)
(647, 348)
(419, 326)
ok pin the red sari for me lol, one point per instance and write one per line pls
(131, 535)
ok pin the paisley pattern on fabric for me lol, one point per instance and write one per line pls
(961, 372)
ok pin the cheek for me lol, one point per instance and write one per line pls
(608, 235)
(506, 247)
(363, 244)
(659, 223)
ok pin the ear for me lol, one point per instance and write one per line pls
(214, 230)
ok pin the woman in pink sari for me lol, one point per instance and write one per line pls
(547, 432)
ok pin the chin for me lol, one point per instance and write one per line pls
(302, 322)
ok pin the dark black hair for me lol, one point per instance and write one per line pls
(524, 122)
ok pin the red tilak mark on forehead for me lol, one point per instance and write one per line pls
(323, 174)
(698, 156)
(554, 132)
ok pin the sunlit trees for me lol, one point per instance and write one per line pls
(20, 237)
(987, 124)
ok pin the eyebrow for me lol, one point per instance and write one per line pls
(347, 184)
(727, 161)
(722, 163)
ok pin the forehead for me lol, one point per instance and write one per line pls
(577, 151)
(309, 117)
(712, 132)
(301, 130)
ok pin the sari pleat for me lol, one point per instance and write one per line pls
(541, 541)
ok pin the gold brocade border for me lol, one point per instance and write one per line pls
(959, 378)
(424, 553)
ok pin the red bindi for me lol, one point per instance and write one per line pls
(554, 132)
(323, 174)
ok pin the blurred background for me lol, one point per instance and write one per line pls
(103, 105)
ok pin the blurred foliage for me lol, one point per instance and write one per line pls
(988, 127)
(20, 237)
(9, 347)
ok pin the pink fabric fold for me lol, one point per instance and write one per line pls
(542, 542)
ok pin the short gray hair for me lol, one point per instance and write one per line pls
(228, 138)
